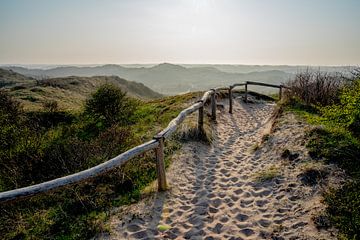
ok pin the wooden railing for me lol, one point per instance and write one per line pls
(157, 143)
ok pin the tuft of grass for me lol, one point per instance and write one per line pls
(255, 147)
(286, 153)
(189, 130)
(163, 228)
(268, 174)
(265, 138)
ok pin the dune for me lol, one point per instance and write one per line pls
(250, 183)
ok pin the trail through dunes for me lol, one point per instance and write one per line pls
(242, 186)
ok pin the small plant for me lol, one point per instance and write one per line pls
(50, 106)
(110, 105)
(285, 154)
(255, 147)
(189, 130)
(163, 228)
(268, 174)
(265, 138)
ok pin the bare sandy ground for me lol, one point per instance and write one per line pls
(239, 187)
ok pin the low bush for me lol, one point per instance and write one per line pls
(319, 88)
(110, 105)
(39, 146)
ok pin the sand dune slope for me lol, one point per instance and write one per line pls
(240, 187)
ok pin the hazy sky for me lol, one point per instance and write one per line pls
(314, 32)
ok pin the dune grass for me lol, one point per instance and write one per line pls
(335, 139)
(66, 142)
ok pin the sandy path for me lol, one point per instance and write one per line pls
(215, 193)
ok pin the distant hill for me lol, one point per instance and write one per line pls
(70, 92)
(11, 78)
(169, 79)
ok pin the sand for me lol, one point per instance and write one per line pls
(239, 187)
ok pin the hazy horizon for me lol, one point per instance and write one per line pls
(230, 32)
(172, 63)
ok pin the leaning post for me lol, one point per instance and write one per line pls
(201, 117)
(213, 105)
(246, 91)
(230, 99)
(160, 164)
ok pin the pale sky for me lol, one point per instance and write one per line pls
(307, 32)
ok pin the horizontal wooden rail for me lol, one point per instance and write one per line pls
(263, 84)
(80, 176)
(171, 128)
(157, 143)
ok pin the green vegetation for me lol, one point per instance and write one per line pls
(336, 140)
(69, 92)
(44, 144)
(268, 174)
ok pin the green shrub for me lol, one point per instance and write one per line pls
(344, 209)
(347, 112)
(336, 145)
(319, 88)
(110, 105)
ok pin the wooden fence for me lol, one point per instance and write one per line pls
(156, 144)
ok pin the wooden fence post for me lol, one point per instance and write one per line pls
(230, 99)
(160, 164)
(201, 118)
(280, 92)
(246, 91)
(213, 105)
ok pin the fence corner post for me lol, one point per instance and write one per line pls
(280, 92)
(230, 99)
(213, 105)
(246, 91)
(160, 164)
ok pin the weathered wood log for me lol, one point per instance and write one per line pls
(213, 105)
(238, 84)
(230, 99)
(160, 164)
(206, 96)
(80, 176)
(262, 84)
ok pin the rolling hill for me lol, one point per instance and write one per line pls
(70, 92)
(169, 79)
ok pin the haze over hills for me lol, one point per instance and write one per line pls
(69, 92)
(171, 79)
